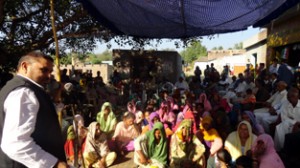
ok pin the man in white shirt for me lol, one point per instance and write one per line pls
(274, 67)
(182, 85)
(290, 118)
(30, 134)
(269, 114)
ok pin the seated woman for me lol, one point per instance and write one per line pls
(151, 148)
(203, 99)
(107, 119)
(166, 116)
(96, 153)
(139, 120)
(190, 116)
(186, 149)
(210, 135)
(245, 162)
(240, 141)
(125, 133)
(75, 138)
(222, 123)
(131, 107)
(264, 153)
(154, 117)
(257, 129)
(222, 159)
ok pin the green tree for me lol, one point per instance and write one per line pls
(217, 48)
(98, 58)
(66, 60)
(214, 48)
(106, 56)
(238, 46)
(95, 59)
(193, 52)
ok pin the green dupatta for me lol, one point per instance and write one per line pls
(106, 126)
(157, 151)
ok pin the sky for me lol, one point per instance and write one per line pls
(226, 40)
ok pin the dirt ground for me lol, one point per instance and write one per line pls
(124, 162)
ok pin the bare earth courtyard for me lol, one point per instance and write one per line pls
(124, 162)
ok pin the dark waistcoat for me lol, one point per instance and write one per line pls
(47, 133)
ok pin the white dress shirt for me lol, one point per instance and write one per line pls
(273, 69)
(21, 107)
(277, 99)
(290, 114)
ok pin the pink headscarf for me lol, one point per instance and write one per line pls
(152, 116)
(189, 115)
(166, 116)
(206, 103)
(270, 158)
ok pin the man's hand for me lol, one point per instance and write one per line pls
(101, 164)
(296, 127)
(267, 104)
(272, 111)
(143, 160)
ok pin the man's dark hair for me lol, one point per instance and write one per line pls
(224, 156)
(244, 161)
(33, 55)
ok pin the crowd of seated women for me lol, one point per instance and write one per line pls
(214, 127)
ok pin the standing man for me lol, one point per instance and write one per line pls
(30, 134)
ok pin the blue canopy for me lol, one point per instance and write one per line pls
(183, 18)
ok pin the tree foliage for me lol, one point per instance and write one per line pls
(98, 58)
(88, 58)
(193, 52)
(218, 48)
(25, 26)
(238, 46)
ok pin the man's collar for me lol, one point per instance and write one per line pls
(31, 80)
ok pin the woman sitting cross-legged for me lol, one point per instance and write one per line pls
(151, 148)
(96, 153)
(186, 149)
(126, 131)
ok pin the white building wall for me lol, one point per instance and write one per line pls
(231, 61)
(106, 70)
(261, 52)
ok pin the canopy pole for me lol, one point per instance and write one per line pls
(183, 17)
(57, 64)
